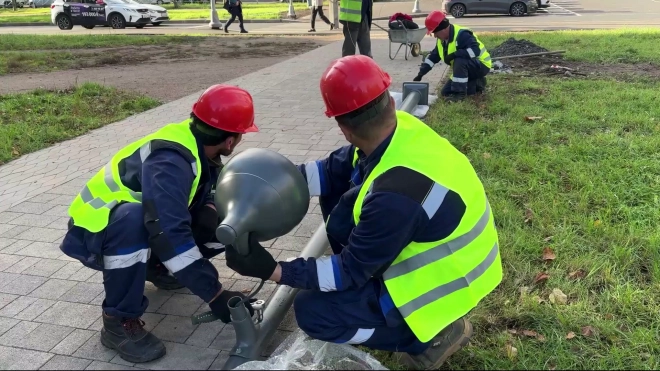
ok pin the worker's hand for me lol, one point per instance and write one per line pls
(259, 263)
(449, 58)
(204, 224)
(418, 78)
(220, 308)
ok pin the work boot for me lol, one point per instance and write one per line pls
(129, 338)
(225, 28)
(449, 341)
(161, 278)
(243, 30)
(481, 85)
(455, 97)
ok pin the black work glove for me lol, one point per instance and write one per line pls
(259, 263)
(204, 225)
(418, 78)
(220, 308)
(449, 58)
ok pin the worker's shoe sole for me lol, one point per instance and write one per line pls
(444, 345)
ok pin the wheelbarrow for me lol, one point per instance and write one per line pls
(408, 38)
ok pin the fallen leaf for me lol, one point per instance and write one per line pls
(588, 331)
(532, 118)
(597, 223)
(541, 277)
(609, 317)
(529, 215)
(570, 335)
(512, 331)
(487, 155)
(539, 299)
(540, 338)
(577, 274)
(558, 297)
(548, 254)
(511, 351)
(548, 239)
(15, 152)
(645, 356)
(530, 333)
(246, 291)
(552, 367)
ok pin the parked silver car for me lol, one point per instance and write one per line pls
(516, 8)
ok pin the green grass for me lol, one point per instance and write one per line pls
(583, 181)
(35, 120)
(596, 46)
(251, 11)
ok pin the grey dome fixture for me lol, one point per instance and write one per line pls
(259, 191)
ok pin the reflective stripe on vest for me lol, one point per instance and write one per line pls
(350, 10)
(484, 55)
(435, 283)
(91, 207)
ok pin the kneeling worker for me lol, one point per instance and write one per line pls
(461, 50)
(414, 240)
(152, 200)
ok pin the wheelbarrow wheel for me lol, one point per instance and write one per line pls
(415, 49)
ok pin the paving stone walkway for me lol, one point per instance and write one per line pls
(50, 314)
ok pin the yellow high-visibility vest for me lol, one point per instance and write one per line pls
(91, 207)
(432, 284)
(483, 56)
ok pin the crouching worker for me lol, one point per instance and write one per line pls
(153, 201)
(414, 241)
(462, 51)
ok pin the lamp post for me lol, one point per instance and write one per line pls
(292, 12)
(416, 8)
(215, 22)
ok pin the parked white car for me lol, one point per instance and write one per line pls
(157, 13)
(543, 3)
(155, 2)
(90, 13)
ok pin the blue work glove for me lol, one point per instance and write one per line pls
(259, 263)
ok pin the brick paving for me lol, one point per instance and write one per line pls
(50, 304)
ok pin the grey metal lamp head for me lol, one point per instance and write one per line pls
(261, 192)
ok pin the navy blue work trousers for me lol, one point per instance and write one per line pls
(469, 77)
(125, 253)
(355, 316)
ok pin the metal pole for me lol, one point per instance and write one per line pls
(334, 6)
(416, 8)
(215, 22)
(251, 338)
(292, 12)
(411, 101)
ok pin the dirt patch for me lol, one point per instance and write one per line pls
(166, 72)
(516, 47)
(556, 65)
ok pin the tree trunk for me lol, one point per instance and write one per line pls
(176, 4)
(13, 3)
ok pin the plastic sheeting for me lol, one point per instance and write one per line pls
(299, 352)
(420, 110)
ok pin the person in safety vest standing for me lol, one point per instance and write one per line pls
(153, 200)
(413, 235)
(355, 17)
(462, 51)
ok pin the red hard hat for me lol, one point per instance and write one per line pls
(433, 21)
(350, 83)
(227, 108)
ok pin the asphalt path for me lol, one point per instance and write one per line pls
(563, 14)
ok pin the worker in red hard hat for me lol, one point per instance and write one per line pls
(414, 240)
(461, 50)
(148, 214)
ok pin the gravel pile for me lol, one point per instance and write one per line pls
(515, 47)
